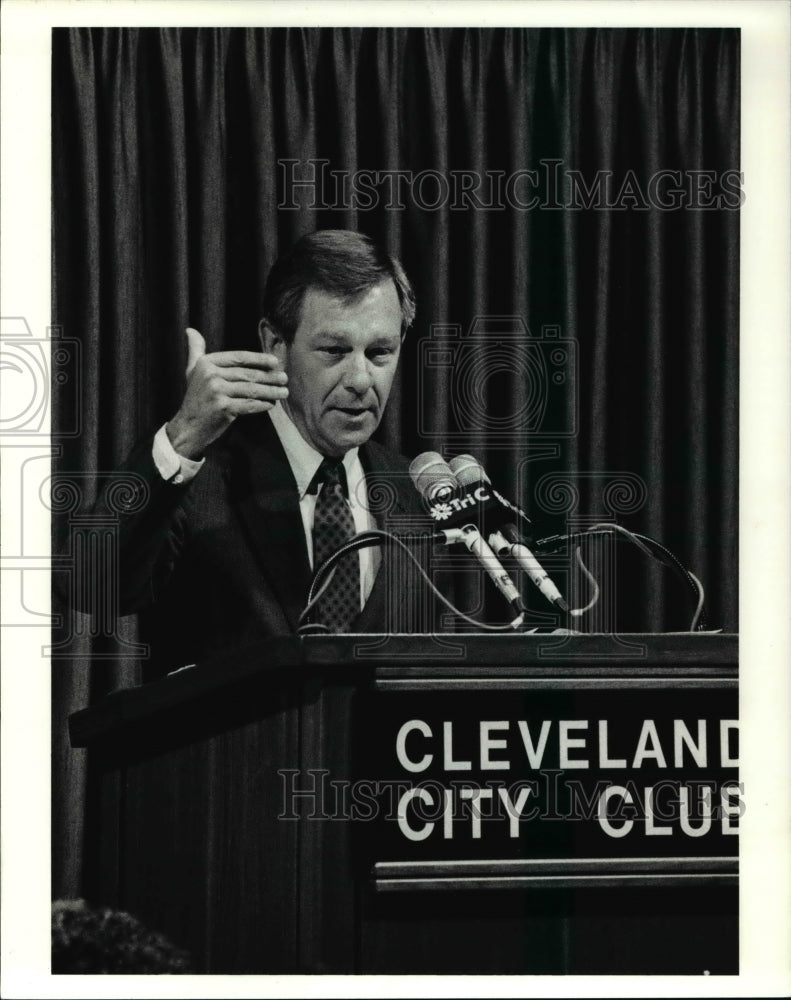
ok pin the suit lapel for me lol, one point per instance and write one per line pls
(389, 492)
(264, 491)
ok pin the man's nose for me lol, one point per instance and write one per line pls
(359, 374)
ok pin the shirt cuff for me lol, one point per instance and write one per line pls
(171, 466)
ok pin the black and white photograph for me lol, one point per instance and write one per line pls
(384, 482)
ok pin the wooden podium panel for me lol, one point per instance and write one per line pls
(220, 806)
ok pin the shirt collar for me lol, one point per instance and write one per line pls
(303, 457)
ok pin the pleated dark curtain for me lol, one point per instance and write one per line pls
(174, 157)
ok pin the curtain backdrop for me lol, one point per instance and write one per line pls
(176, 157)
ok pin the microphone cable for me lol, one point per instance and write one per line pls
(579, 612)
(366, 539)
(650, 547)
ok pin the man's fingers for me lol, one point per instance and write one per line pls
(259, 375)
(246, 359)
(196, 348)
(254, 390)
(243, 407)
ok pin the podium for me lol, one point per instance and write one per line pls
(502, 804)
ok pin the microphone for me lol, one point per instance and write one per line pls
(432, 477)
(504, 536)
(441, 493)
(495, 510)
(452, 503)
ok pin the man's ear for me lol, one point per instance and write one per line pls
(271, 341)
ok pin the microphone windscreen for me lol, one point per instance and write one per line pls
(431, 475)
(468, 470)
(496, 511)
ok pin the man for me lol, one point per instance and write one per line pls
(267, 467)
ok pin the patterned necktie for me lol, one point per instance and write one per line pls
(333, 525)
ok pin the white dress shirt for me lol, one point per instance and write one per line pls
(304, 461)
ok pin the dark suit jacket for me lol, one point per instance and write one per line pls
(222, 562)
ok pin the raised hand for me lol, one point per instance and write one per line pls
(221, 387)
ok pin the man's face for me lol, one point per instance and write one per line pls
(341, 366)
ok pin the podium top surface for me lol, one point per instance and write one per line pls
(456, 658)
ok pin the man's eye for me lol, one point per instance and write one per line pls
(333, 351)
(381, 353)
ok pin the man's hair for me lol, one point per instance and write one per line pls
(101, 941)
(340, 262)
